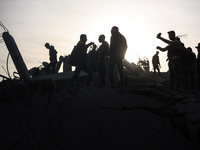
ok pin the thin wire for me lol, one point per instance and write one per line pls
(1, 40)
(4, 70)
(5, 29)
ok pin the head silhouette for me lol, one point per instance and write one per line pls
(47, 45)
(114, 30)
(83, 38)
(198, 47)
(189, 49)
(101, 38)
(172, 35)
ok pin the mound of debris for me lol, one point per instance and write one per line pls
(142, 115)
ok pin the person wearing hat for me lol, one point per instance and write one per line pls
(173, 53)
(198, 66)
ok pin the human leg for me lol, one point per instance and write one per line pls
(154, 71)
(158, 71)
(89, 72)
(53, 65)
(120, 69)
(111, 69)
(76, 74)
(171, 75)
(175, 64)
(102, 73)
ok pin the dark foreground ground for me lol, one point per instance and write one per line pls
(144, 115)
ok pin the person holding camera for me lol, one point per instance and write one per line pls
(173, 52)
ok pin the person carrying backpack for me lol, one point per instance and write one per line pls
(78, 59)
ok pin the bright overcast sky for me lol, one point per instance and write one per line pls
(32, 23)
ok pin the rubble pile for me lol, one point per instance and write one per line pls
(142, 115)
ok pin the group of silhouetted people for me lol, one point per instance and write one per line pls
(106, 55)
(182, 63)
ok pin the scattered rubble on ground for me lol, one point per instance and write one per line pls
(142, 115)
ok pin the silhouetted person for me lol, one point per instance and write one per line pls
(173, 49)
(192, 68)
(118, 47)
(52, 58)
(198, 66)
(81, 63)
(102, 53)
(156, 63)
(185, 56)
(66, 64)
(58, 64)
(92, 56)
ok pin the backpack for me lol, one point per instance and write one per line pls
(74, 57)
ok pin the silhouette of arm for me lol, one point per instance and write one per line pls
(163, 39)
(162, 49)
(88, 45)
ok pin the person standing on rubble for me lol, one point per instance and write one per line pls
(192, 68)
(173, 48)
(118, 47)
(92, 59)
(102, 53)
(52, 58)
(156, 63)
(82, 62)
(198, 66)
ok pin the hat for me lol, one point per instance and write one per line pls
(198, 45)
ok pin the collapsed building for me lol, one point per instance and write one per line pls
(36, 113)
